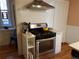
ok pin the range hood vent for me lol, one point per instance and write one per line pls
(39, 5)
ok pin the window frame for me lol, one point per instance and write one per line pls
(10, 15)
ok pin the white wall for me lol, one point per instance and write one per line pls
(61, 16)
(72, 34)
(5, 37)
(73, 22)
(36, 16)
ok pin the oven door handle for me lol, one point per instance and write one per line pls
(46, 39)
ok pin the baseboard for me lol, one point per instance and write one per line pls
(65, 43)
(8, 45)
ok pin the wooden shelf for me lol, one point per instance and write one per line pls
(29, 47)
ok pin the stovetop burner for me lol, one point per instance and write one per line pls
(41, 34)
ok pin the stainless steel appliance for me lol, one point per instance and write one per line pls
(44, 39)
(39, 5)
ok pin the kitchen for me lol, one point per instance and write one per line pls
(56, 18)
(52, 17)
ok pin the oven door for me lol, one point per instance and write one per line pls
(44, 46)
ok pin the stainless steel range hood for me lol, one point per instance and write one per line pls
(39, 5)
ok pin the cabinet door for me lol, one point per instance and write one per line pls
(60, 17)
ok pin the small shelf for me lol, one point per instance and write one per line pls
(29, 47)
(30, 35)
(30, 55)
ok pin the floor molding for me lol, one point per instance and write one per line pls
(65, 43)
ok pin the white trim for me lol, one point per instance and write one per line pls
(72, 34)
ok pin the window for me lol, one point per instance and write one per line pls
(6, 18)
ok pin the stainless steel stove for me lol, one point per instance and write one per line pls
(44, 39)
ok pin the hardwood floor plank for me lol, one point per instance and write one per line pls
(8, 52)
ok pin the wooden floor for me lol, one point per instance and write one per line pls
(64, 54)
(8, 52)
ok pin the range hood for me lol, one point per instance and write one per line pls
(39, 5)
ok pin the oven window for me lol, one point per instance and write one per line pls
(46, 46)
